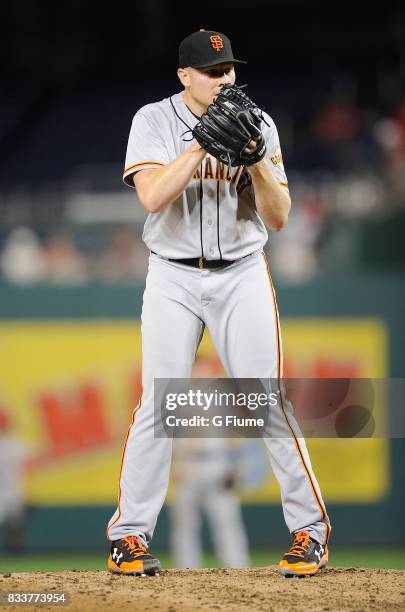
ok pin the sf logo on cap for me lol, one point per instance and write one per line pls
(217, 42)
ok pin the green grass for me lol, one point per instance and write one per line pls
(380, 557)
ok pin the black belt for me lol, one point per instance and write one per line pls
(202, 263)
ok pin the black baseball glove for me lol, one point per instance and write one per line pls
(229, 124)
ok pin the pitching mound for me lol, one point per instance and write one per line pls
(233, 590)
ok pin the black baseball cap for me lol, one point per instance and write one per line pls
(206, 48)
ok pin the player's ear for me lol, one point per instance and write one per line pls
(184, 77)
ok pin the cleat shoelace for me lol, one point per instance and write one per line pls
(300, 545)
(135, 546)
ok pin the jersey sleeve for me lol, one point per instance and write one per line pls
(146, 147)
(273, 153)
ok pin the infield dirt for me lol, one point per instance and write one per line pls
(233, 590)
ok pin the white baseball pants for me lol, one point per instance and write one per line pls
(238, 306)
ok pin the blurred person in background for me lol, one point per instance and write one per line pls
(205, 474)
(22, 260)
(389, 132)
(124, 259)
(295, 251)
(337, 133)
(65, 265)
(13, 458)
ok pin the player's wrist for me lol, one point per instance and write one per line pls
(259, 167)
(196, 152)
(196, 148)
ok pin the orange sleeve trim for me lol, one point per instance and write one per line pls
(146, 163)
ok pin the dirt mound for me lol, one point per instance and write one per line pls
(233, 590)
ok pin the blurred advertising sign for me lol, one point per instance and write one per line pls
(70, 388)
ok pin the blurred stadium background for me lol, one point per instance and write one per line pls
(73, 265)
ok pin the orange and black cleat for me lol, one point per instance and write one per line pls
(130, 556)
(305, 557)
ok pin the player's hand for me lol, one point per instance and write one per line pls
(230, 122)
(197, 148)
(250, 147)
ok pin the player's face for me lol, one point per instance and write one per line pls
(204, 84)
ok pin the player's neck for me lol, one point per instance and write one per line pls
(193, 104)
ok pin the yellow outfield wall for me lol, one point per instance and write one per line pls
(70, 388)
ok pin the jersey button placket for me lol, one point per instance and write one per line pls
(209, 224)
(205, 293)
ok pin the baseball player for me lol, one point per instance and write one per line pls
(206, 230)
(13, 458)
(205, 475)
(205, 472)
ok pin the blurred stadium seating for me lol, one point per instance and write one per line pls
(345, 161)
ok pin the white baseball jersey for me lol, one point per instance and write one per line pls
(215, 216)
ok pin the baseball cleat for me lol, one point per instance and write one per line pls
(305, 557)
(130, 556)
